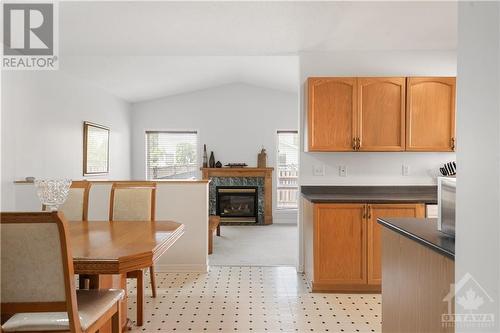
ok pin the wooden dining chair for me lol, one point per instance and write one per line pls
(37, 285)
(76, 206)
(135, 201)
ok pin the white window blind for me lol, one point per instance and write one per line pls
(288, 170)
(171, 154)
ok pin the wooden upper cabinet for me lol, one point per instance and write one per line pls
(374, 233)
(339, 244)
(430, 114)
(332, 110)
(381, 114)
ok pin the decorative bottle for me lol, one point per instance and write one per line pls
(211, 161)
(205, 158)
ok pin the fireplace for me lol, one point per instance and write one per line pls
(237, 204)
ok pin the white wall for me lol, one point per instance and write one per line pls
(478, 155)
(183, 202)
(372, 168)
(234, 121)
(42, 127)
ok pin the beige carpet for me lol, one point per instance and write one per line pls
(273, 245)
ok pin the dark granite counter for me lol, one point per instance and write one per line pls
(371, 194)
(423, 231)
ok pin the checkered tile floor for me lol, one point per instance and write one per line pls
(251, 299)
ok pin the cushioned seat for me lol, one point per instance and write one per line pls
(92, 304)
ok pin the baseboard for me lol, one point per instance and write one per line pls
(345, 288)
(285, 217)
(191, 268)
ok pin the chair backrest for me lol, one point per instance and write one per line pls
(37, 266)
(76, 206)
(132, 201)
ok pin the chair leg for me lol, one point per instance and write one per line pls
(116, 326)
(210, 241)
(153, 280)
(93, 281)
(83, 282)
(140, 297)
(218, 230)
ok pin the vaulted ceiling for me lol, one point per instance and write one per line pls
(142, 50)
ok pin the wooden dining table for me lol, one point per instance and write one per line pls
(106, 251)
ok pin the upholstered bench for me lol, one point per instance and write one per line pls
(213, 226)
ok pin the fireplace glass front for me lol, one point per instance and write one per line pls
(237, 203)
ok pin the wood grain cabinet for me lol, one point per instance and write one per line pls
(339, 246)
(381, 114)
(332, 108)
(375, 211)
(430, 114)
(347, 244)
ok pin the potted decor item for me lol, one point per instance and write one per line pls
(262, 158)
(218, 164)
(211, 161)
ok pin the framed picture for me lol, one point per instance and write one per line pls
(95, 149)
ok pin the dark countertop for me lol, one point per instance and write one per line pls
(371, 194)
(423, 231)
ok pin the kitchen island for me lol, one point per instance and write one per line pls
(418, 271)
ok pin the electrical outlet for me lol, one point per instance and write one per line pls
(319, 170)
(343, 171)
(406, 170)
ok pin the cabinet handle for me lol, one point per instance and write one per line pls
(364, 212)
(369, 209)
(358, 144)
(353, 143)
(452, 143)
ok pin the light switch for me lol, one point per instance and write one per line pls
(406, 170)
(343, 171)
(319, 170)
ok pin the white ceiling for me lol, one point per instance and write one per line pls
(190, 34)
(138, 78)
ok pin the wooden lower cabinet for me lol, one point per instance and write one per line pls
(339, 246)
(347, 244)
(375, 211)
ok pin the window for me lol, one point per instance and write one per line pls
(288, 170)
(171, 154)
(95, 149)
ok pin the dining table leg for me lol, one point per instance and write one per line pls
(138, 275)
(106, 281)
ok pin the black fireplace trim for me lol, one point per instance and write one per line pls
(256, 201)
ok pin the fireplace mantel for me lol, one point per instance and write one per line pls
(266, 173)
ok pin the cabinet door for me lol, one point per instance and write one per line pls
(374, 232)
(430, 114)
(339, 244)
(381, 114)
(331, 117)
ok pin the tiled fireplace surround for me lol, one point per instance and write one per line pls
(262, 178)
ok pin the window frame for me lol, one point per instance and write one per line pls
(277, 132)
(175, 130)
(86, 126)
